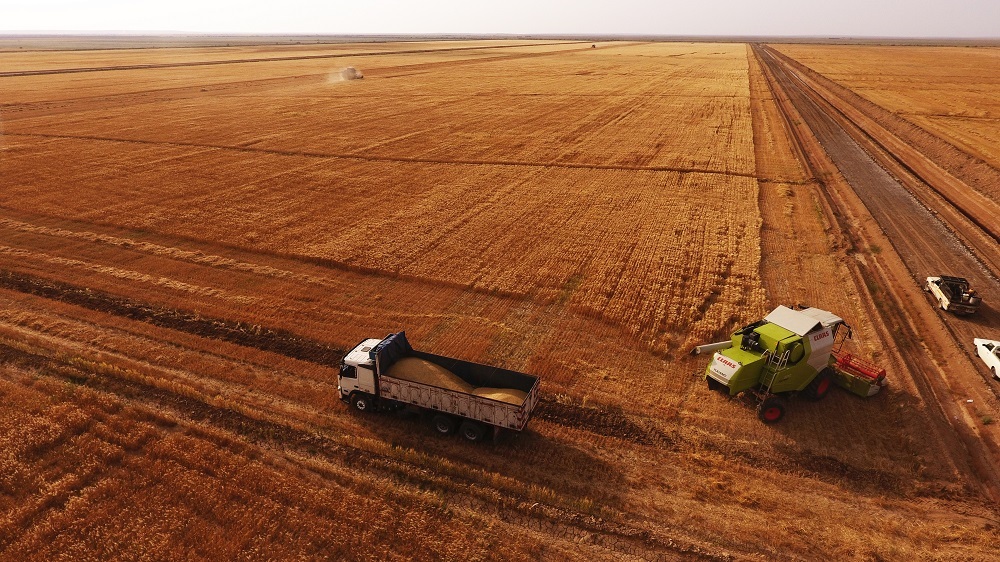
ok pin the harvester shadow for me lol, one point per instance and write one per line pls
(527, 466)
(820, 435)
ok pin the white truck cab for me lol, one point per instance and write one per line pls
(357, 370)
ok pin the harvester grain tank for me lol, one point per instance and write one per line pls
(953, 294)
(471, 398)
(788, 352)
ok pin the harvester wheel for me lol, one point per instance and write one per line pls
(820, 386)
(443, 424)
(771, 410)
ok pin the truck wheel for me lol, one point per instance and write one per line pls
(445, 425)
(362, 402)
(820, 386)
(472, 431)
(994, 369)
(771, 410)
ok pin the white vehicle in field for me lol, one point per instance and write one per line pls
(953, 294)
(989, 352)
(471, 398)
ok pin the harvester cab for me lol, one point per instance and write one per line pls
(789, 351)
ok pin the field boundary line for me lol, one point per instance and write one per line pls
(409, 160)
(151, 66)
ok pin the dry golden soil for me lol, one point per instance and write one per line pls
(192, 236)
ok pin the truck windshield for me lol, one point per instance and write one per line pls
(348, 372)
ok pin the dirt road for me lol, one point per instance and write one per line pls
(942, 364)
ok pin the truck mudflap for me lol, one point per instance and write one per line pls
(857, 375)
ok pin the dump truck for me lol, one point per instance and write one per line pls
(473, 399)
(953, 294)
(790, 351)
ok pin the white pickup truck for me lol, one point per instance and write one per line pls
(989, 352)
(953, 294)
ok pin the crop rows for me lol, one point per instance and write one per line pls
(183, 248)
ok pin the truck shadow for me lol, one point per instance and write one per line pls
(525, 466)
(985, 318)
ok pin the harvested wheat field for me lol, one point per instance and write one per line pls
(192, 237)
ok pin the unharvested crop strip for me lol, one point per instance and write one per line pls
(242, 266)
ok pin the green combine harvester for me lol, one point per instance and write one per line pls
(788, 352)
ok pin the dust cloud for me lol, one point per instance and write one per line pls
(345, 74)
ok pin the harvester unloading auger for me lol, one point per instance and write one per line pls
(789, 351)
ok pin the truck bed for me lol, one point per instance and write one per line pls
(494, 412)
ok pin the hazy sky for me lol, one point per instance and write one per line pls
(896, 18)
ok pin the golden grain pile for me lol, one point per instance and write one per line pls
(509, 395)
(422, 371)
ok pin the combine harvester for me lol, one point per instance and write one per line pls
(789, 351)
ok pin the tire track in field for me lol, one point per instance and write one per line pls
(896, 143)
(397, 159)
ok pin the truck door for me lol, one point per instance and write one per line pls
(366, 379)
(347, 380)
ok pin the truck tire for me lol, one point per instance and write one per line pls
(771, 410)
(444, 424)
(472, 431)
(994, 369)
(820, 386)
(362, 402)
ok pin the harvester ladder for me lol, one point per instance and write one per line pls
(775, 364)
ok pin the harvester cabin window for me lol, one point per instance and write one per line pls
(348, 372)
